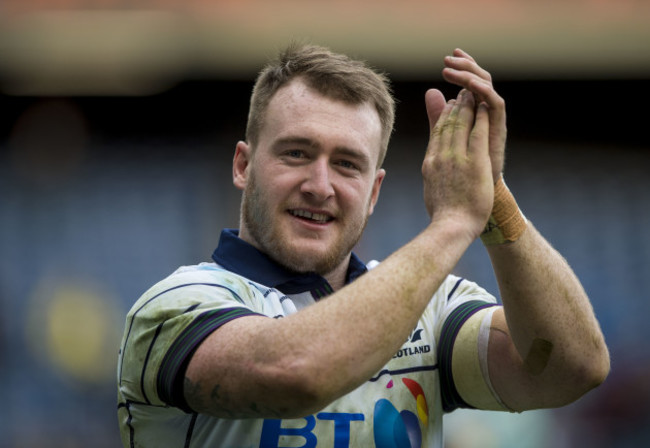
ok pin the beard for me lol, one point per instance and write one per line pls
(275, 241)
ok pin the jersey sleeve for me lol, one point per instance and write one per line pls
(460, 301)
(168, 323)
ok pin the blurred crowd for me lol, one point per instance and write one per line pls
(93, 214)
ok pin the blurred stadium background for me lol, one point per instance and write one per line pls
(118, 122)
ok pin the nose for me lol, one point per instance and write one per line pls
(318, 183)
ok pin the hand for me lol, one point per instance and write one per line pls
(461, 69)
(457, 170)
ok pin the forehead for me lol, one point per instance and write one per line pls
(297, 110)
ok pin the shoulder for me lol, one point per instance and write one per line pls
(454, 289)
(205, 284)
(456, 299)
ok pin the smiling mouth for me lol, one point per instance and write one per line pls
(320, 218)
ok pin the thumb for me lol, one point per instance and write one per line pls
(435, 103)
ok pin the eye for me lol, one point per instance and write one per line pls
(295, 153)
(293, 156)
(348, 165)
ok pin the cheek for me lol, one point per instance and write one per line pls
(279, 177)
(358, 197)
(272, 183)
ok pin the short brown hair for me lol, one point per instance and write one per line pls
(333, 75)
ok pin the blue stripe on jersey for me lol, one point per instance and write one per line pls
(127, 407)
(453, 290)
(190, 430)
(146, 362)
(451, 399)
(172, 369)
(402, 371)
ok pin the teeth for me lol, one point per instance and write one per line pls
(313, 216)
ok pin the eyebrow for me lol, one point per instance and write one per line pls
(302, 141)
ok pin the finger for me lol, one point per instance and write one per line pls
(464, 78)
(466, 65)
(485, 90)
(479, 136)
(436, 132)
(496, 104)
(462, 54)
(463, 123)
(441, 133)
(446, 128)
(435, 102)
(443, 117)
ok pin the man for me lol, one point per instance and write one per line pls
(288, 339)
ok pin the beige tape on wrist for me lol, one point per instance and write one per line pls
(506, 223)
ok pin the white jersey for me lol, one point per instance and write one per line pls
(401, 406)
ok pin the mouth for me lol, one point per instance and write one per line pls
(318, 218)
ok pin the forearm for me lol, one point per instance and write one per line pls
(381, 308)
(300, 363)
(549, 318)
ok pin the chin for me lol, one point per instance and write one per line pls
(306, 258)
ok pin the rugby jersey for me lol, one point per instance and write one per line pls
(401, 406)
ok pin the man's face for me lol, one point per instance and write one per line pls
(312, 181)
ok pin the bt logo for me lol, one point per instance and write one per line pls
(391, 428)
(272, 430)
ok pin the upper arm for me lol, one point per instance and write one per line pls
(238, 371)
(195, 323)
(488, 371)
(463, 347)
(221, 378)
(507, 380)
(470, 365)
(519, 380)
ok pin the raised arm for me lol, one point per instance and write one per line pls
(546, 348)
(290, 367)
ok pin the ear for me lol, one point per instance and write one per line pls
(240, 164)
(376, 186)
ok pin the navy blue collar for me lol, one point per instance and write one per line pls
(243, 259)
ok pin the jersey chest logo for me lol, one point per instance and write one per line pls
(391, 428)
(414, 345)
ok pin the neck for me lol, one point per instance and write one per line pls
(336, 278)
